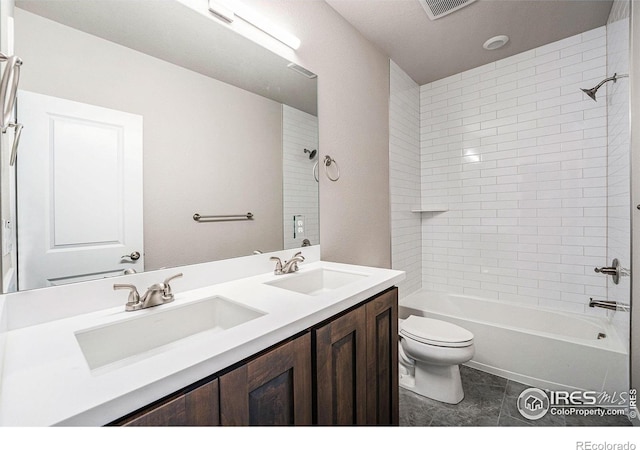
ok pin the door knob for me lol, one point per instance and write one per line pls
(134, 256)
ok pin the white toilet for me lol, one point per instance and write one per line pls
(430, 351)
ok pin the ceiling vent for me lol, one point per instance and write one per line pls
(439, 8)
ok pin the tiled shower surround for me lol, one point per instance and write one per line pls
(404, 165)
(299, 132)
(517, 155)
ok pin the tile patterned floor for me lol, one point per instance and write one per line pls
(489, 400)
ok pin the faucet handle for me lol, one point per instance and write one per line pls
(172, 277)
(134, 296)
(293, 262)
(278, 269)
(167, 287)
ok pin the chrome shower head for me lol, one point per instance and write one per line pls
(312, 153)
(592, 92)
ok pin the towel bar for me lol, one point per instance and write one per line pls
(226, 218)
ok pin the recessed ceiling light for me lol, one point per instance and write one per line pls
(495, 42)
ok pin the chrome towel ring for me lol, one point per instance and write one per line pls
(328, 160)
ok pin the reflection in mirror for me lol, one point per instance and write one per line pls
(133, 126)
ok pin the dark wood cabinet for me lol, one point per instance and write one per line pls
(357, 365)
(272, 389)
(341, 370)
(349, 364)
(202, 405)
(382, 359)
(198, 407)
(172, 413)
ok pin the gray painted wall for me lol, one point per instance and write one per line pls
(353, 113)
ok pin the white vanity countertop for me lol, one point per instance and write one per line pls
(46, 380)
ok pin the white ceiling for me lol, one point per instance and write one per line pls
(430, 50)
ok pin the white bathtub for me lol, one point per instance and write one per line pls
(542, 348)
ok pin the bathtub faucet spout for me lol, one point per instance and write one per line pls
(609, 304)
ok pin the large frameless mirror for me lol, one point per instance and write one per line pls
(153, 137)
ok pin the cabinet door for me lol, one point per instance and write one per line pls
(382, 359)
(273, 389)
(341, 364)
(203, 405)
(198, 407)
(172, 413)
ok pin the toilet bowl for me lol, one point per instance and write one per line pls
(430, 352)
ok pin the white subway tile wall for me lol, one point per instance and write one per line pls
(404, 166)
(519, 155)
(300, 189)
(618, 159)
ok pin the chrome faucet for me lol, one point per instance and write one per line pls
(157, 294)
(288, 266)
(609, 304)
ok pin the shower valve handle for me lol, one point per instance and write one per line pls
(614, 270)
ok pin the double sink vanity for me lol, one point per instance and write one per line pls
(237, 345)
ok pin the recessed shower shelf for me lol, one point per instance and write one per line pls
(431, 208)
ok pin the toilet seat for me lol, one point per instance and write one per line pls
(435, 332)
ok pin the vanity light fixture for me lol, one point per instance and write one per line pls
(223, 11)
(266, 26)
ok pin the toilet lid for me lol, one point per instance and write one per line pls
(435, 332)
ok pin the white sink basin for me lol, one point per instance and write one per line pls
(317, 281)
(148, 330)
